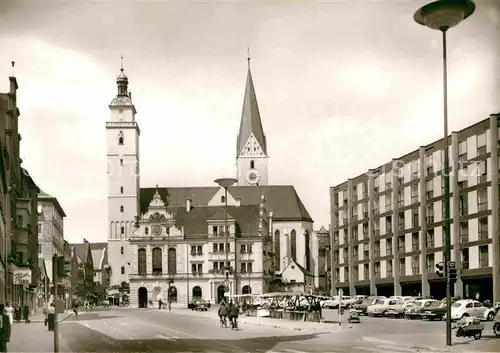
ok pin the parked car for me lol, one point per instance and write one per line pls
(419, 306)
(400, 309)
(437, 310)
(381, 307)
(363, 306)
(471, 308)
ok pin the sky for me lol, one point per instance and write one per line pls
(342, 86)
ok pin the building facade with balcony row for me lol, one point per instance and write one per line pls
(387, 224)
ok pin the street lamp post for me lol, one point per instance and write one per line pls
(226, 183)
(442, 15)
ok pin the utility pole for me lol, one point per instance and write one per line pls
(55, 268)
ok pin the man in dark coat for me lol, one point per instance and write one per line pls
(233, 311)
(223, 311)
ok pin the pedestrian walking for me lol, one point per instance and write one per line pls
(9, 311)
(26, 314)
(6, 326)
(3, 331)
(51, 316)
(160, 303)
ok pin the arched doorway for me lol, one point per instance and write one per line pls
(246, 290)
(197, 293)
(156, 295)
(173, 294)
(221, 293)
(142, 294)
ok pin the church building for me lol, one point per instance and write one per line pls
(172, 239)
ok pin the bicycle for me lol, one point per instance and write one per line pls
(223, 321)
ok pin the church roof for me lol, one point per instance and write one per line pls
(250, 118)
(195, 221)
(282, 200)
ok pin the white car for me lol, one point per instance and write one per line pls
(381, 306)
(471, 308)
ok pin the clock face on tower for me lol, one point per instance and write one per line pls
(252, 177)
(156, 230)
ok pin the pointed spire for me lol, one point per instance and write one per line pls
(250, 116)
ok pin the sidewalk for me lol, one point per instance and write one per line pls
(265, 321)
(34, 337)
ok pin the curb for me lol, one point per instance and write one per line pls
(43, 320)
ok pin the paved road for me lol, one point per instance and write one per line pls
(140, 330)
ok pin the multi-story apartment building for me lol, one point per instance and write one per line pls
(18, 227)
(51, 237)
(387, 224)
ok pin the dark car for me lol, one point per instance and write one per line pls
(199, 305)
(436, 311)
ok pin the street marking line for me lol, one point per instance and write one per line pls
(167, 338)
(399, 348)
(239, 349)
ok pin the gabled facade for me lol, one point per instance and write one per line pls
(85, 272)
(295, 278)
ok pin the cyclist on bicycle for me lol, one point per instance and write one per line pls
(233, 314)
(223, 314)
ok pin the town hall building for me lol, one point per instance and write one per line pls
(172, 239)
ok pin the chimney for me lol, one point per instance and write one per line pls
(188, 205)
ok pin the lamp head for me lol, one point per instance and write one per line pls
(225, 182)
(444, 14)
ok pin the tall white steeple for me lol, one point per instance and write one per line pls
(251, 145)
(122, 141)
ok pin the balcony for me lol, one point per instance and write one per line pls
(152, 276)
(220, 235)
(221, 255)
(464, 237)
(197, 273)
(196, 253)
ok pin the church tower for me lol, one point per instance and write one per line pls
(122, 141)
(251, 146)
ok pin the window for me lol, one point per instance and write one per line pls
(415, 265)
(414, 193)
(121, 161)
(388, 247)
(157, 261)
(464, 232)
(481, 140)
(483, 228)
(141, 259)
(389, 268)
(222, 199)
(40, 248)
(121, 189)
(388, 180)
(401, 244)
(402, 267)
(415, 218)
(376, 249)
(414, 170)
(146, 230)
(430, 214)
(123, 270)
(252, 164)
(415, 242)
(388, 202)
(121, 209)
(246, 267)
(482, 200)
(429, 189)
(172, 261)
(121, 250)
(122, 230)
(430, 238)
(401, 221)
(482, 171)
(120, 138)
(429, 164)
(401, 198)
(465, 258)
(483, 256)
(293, 241)
(388, 224)
(462, 154)
(463, 203)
